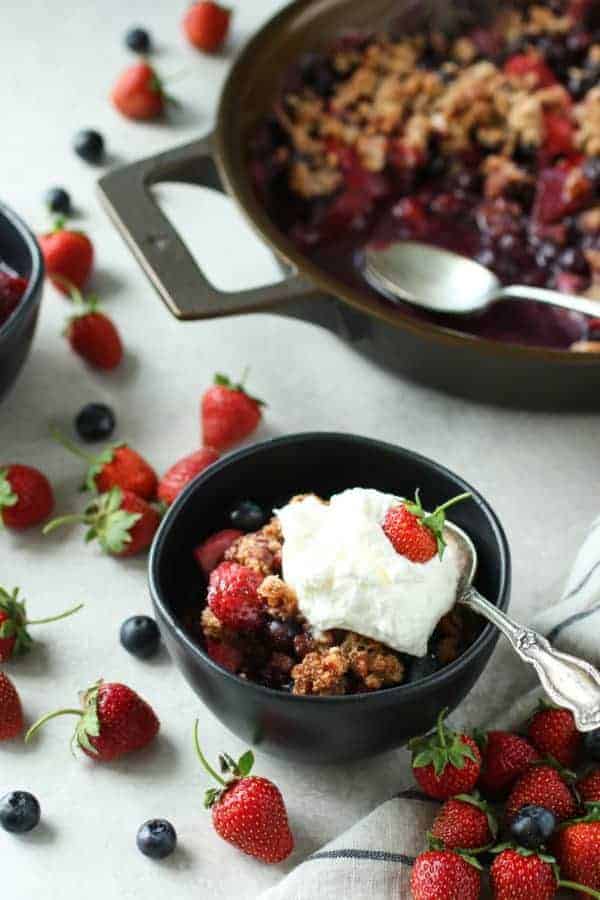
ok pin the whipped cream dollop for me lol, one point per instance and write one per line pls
(348, 575)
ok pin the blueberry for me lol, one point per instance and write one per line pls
(282, 635)
(19, 812)
(533, 826)
(591, 745)
(421, 667)
(89, 145)
(318, 74)
(95, 422)
(138, 40)
(248, 516)
(58, 201)
(156, 838)
(140, 636)
(573, 260)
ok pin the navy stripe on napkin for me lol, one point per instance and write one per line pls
(374, 855)
(580, 616)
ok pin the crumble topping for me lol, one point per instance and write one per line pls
(260, 551)
(321, 673)
(279, 597)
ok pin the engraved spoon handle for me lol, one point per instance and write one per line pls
(568, 681)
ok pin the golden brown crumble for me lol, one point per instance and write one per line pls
(587, 115)
(321, 673)
(211, 626)
(371, 662)
(280, 597)
(501, 174)
(590, 220)
(260, 551)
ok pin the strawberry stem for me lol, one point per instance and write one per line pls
(441, 728)
(205, 764)
(453, 501)
(571, 885)
(69, 445)
(41, 722)
(64, 615)
(71, 519)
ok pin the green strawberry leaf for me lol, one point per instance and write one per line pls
(88, 725)
(245, 763)
(7, 495)
(97, 465)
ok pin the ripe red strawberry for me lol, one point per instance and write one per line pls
(122, 522)
(505, 757)
(69, 257)
(228, 413)
(247, 811)
(224, 654)
(444, 875)
(114, 720)
(464, 823)
(523, 874)
(206, 25)
(12, 288)
(553, 732)
(415, 534)
(542, 786)
(233, 596)
(14, 637)
(139, 93)
(183, 471)
(11, 714)
(26, 497)
(212, 551)
(577, 849)
(445, 763)
(92, 335)
(118, 465)
(588, 787)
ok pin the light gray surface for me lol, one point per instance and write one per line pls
(539, 471)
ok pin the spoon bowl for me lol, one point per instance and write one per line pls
(570, 682)
(441, 281)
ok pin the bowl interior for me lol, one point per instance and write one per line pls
(272, 472)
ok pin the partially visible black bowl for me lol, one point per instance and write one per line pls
(19, 250)
(317, 729)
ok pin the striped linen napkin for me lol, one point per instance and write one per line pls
(373, 859)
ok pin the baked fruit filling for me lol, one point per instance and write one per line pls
(253, 620)
(486, 143)
(12, 288)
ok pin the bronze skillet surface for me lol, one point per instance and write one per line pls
(481, 369)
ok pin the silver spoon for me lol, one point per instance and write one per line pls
(446, 282)
(570, 682)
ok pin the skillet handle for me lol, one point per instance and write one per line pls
(160, 250)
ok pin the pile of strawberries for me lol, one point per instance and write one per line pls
(511, 806)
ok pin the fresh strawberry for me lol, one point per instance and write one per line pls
(183, 471)
(122, 522)
(532, 67)
(224, 654)
(69, 257)
(523, 874)
(12, 288)
(588, 787)
(118, 465)
(228, 414)
(14, 637)
(11, 714)
(139, 93)
(542, 785)
(26, 497)
(91, 334)
(233, 596)
(247, 811)
(114, 720)
(464, 823)
(415, 534)
(577, 849)
(505, 757)
(206, 24)
(553, 732)
(212, 551)
(444, 875)
(445, 763)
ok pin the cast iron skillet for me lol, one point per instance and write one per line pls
(19, 249)
(317, 729)
(472, 366)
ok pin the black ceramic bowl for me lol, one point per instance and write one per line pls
(19, 250)
(317, 729)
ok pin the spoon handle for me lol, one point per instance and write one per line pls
(552, 298)
(568, 681)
